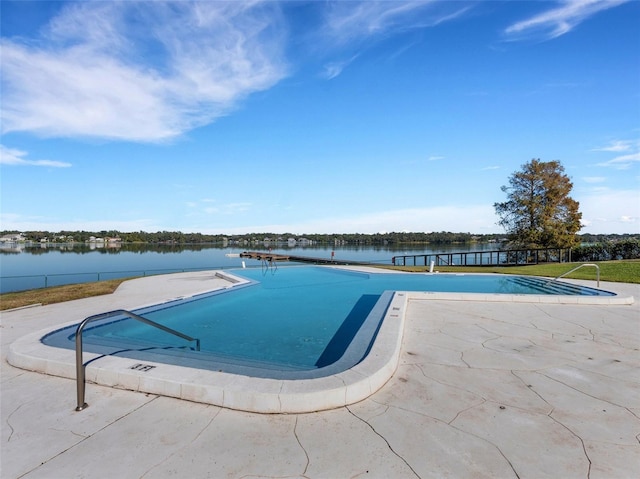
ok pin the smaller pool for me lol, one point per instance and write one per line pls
(293, 322)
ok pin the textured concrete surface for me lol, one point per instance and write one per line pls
(482, 389)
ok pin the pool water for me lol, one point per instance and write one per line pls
(286, 319)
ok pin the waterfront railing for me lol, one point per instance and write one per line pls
(511, 257)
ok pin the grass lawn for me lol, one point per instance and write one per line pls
(57, 294)
(625, 271)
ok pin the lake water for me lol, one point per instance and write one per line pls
(28, 267)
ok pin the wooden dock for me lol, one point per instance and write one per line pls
(262, 256)
(271, 257)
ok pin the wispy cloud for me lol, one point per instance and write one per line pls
(617, 146)
(333, 69)
(354, 24)
(435, 158)
(630, 148)
(84, 76)
(209, 206)
(594, 179)
(11, 156)
(622, 162)
(557, 21)
(150, 71)
(349, 21)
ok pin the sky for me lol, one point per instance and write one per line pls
(313, 117)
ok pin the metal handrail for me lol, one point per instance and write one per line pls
(80, 368)
(577, 268)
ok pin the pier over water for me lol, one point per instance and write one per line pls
(272, 257)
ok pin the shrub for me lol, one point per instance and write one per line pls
(608, 250)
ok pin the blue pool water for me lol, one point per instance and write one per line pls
(287, 321)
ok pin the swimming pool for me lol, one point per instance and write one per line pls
(245, 389)
(290, 323)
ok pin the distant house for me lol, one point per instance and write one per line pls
(13, 238)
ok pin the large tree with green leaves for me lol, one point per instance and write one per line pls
(539, 213)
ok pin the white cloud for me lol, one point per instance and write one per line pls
(333, 69)
(348, 21)
(617, 146)
(85, 77)
(470, 218)
(150, 71)
(606, 211)
(356, 24)
(235, 208)
(15, 222)
(560, 20)
(435, 158)
(209, 206)
(624, 161)
(11, 156)
(594, 179)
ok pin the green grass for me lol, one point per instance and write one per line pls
(626, 271)
(57, 294)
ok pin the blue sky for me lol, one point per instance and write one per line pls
(313, 117)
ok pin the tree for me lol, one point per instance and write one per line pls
(539, 213)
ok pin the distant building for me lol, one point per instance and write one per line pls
(13, 238)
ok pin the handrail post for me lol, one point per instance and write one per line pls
(80, 378)
(80, 367)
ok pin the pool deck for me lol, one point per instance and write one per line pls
(482, 389)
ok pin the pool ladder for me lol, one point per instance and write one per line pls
(577, 268)
(80, 368)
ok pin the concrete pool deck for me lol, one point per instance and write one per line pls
(482, 389)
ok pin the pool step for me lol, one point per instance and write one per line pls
(548, 286)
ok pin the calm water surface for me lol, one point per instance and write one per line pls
(39, 266)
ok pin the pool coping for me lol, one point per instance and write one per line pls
(256, 394)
